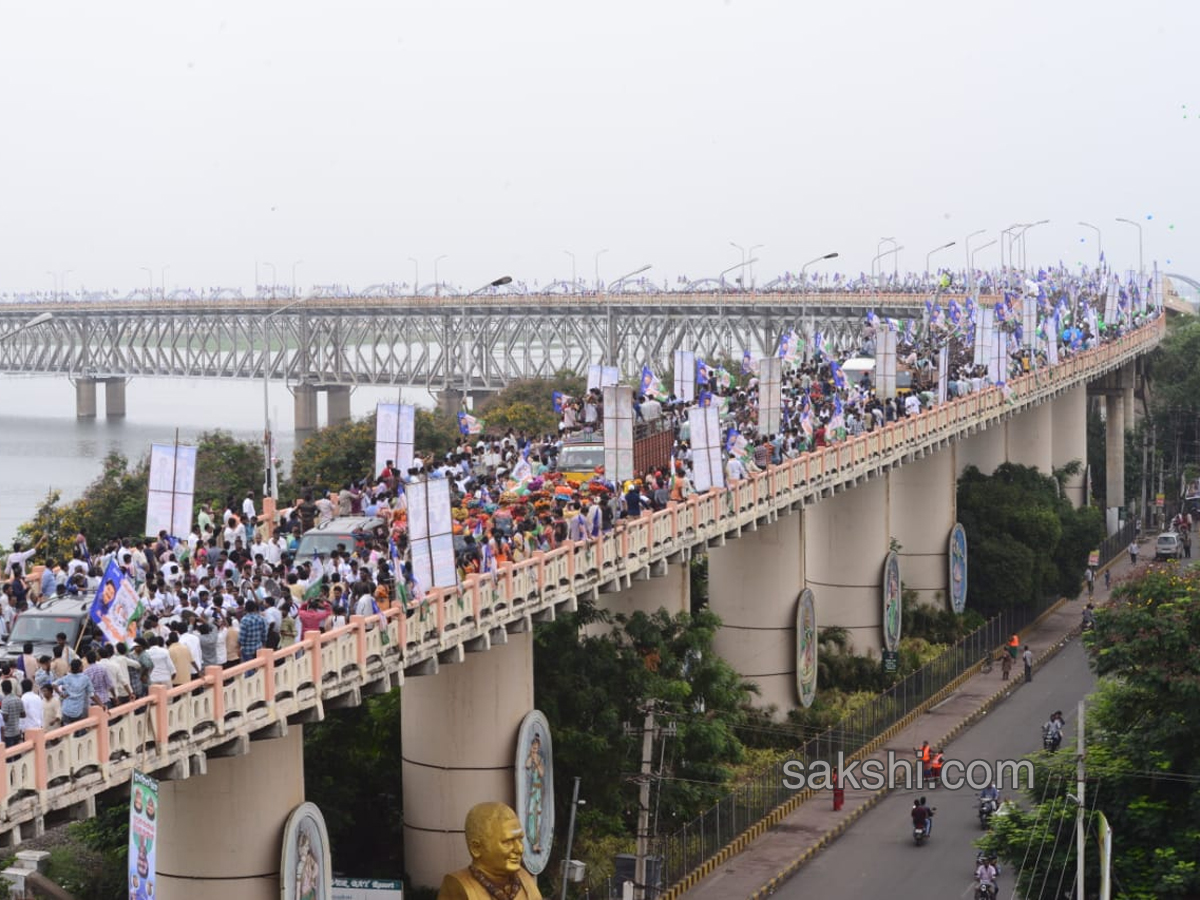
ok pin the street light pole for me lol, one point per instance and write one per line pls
(879, 257)
(298, 262)
(273, 278)
(879, 254)
(936, 250)
(1099, 242)
(803, 283)
(416, 277)
(162, 286)
(437, 285)
(967, 250)
(977, 249)
(466, 344)
(610, 337)
(1138, 226)
(750, 264)
(573, 281)
(597, 261)
(1022, 236)
(270, 484)
(149, 272)
(39, 319)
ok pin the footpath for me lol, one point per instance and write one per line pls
(781, 849)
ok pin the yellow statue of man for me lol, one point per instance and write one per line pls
(496, 844)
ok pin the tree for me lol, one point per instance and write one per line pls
(227, 467)
(1143, 751)
(1025, 540)
(528, 405)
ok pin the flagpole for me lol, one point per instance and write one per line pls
(174, 471)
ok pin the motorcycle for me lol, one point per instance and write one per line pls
(985, 892)
(1051, 740)
(987, 809)
(920, 834)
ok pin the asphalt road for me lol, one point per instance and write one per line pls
(876, 857)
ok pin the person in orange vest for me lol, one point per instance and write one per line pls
(935, 768)
(925, 755)
(1014, 647)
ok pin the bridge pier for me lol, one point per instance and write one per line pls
(1114, 459)
(845, 545)
(985, 450)
(1030, 438)
(923, 503)
(753, 585)
(458, 745)
(220, 834)
(450, 401)
(337, 404)
(114, 398)
(305, 399)
(85, 398)
(1069, 416)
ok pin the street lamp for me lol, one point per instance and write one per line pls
(608, 324)
(881, 256)
(573, 281)
(298, 262)
(977, 249)
(1012, 239)
(466, 344)
(751, 263)
(163, 280)
(437, 285)
(721, 275)
(149, 272)
(270, 483)
(1022, 237)
(1138, 226)
(597, 261)
(1099, 242)
(273, 279)
(39, 319)
(967, 250)
(936, 250)
(803, 283)
(416, 276)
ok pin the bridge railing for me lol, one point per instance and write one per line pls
(175, 726)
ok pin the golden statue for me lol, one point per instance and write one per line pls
(496, 844)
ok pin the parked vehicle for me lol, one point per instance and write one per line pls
(1168, 546)
(352, 532)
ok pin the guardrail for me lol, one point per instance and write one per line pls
(173, 728)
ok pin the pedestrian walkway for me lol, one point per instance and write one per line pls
(781, 851)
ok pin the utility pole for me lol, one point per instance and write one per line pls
(643, 830)
(1079, 811)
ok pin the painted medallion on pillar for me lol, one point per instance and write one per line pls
(806, 648)
(891, 602)
(535, 790)
(958, 568)
(306, 872)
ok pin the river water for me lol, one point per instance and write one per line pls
(43, 445)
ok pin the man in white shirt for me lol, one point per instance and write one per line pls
(191, 640)
(248, 514)
(19, 558)
(164, 670)
(33, 703)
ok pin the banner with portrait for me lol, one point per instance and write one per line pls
(117, 609)
(806, 648)
(172, 486)
(535, 790)
(143, 836)
(891, 602)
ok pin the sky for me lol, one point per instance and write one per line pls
(186, 143)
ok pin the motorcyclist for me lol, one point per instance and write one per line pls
(935, 768)
(1089, 616)
(922, 816)
(1053, 730)
(991, 795)
(924, 754)
(985, 874)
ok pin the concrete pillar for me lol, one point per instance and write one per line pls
(1030, 438)
(922, 503)
(337, 403)
(985, 450)
(753, 585)
(306, 408)
(1114, 458)
(1069, 418)
(672, 592)
(450, 401)
(220, 834)
(459, 743)
(85, 398)
(114, 398)
(845, 543)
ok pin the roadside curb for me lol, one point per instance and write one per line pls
(995, 699)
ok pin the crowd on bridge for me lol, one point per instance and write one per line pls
(235, 584)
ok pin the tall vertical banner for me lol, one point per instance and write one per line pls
(806, 648)
(885, 364)
(430, 533)
(891, 602)
(704, 426)
(395, 425)
(1051, 343)
(1028, 321)
(1111, 289)
(958, 568)
(770, 395)
(983, 335)
(618, 433)
(143, 835)
(998, 358)
(685, 375)
(602, 376)
(171, 489)
(943, 383)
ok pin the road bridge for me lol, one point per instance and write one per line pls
(474, 344)
(230, 740)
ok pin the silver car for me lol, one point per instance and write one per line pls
(1168, 546)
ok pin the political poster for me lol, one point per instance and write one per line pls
(171, 488)
(143, 835)
(430, 533)
(618, 433)
(116, 609)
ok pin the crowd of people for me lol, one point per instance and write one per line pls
(236, 583)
